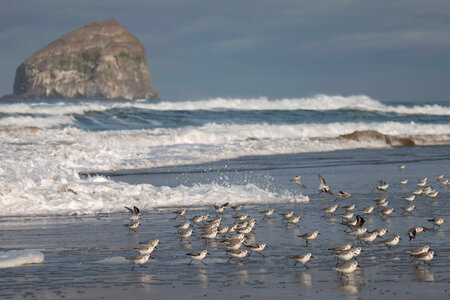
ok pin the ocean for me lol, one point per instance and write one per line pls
(68, 168)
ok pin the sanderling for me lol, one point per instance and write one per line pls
(146, 250)
(347, 215)
(418, 250)
(380, 231)
(410, 197)
(197, 219)
(349, 207)
(237, 253)
(184, 225)
(297, 179)
(267, 212)
(184, 233)
(236, 207)
(139, 260)
(424, 257)
(135, 213)
(346, 268)
(240, 217)
(293, 220)
(413, 231)
(350, 223)
(368, 237)
(210, 234)
(443, 181)
(432, 194)
(220, 207)
(287, 214)
(358, 231)
(436, 221)
(330, 208)
(381, 187)
(440, 176)
(401, 166)
(425, 179)
(323, 187)
(387, 211)
(152, 243)
(347, 255)
(199, 255)
(367, 210)
(233, 245)
(341, 248)
(180, 212)
(245, 230)
(421, 183)
(132, 225)
(309, 236)
(342, 194)
(417, 192)
(403, 181)
(257, 248)
(392, 241)
(302, 258)
(408, 208)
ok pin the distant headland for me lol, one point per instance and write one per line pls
(100, 60)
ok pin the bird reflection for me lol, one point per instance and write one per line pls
(304, 278)
(424, 274)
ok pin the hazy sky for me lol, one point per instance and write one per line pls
(388, 50)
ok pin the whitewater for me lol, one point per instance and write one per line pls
(46, 144)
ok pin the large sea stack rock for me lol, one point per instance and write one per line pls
(100, 60)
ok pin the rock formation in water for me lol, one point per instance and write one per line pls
(377, 136)
(100, 60)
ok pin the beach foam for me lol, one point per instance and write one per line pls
(16, 258)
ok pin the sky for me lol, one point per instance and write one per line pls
(392, 51)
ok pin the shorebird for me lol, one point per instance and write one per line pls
(302, 258)
(293, 220)
(347, 215)
(342, 194)
(256, 248)
(413, 231)
(346, 268)
(200, 255)
(341, 248)
(139, 260)
(347, 255)
(330, 209)
(387, 211)
(240, 217)
(184, 234)
(424, 257)
(135, 213)
(236, 207)
(146, 249)
(410, 197)
(287, 214)
(267, 212)
(309, 236)
(368, 237)
(132, 225)
(233, 245)
(381, 187)
(220, 207)
(408, 208)
(436, 221)
(403, 181)
(401, 166)
(297, 179)
(349, 207)
(152, 243)
(392, 241)
(197, 219)
(357, 231)
(367, 210)
(180, 212)
(323, 187)
(418, 250)
(238, 253)
(184, 225)
(380, 231)
(440, 176)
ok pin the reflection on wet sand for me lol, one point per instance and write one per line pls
(424, 273)
(304, 278)
(203, 277)
(242, 276)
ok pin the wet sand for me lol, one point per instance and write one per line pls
(85, 255)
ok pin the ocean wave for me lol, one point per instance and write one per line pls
(315, 103)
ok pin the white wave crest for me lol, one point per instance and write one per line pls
(41, 122)
(17, 258)
(318, 102)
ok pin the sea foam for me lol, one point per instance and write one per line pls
(16, 258)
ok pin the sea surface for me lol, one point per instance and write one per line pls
(68, 168)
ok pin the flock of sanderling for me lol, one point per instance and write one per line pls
(234, 237)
